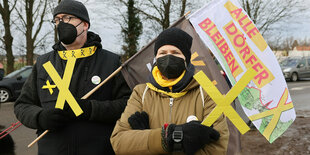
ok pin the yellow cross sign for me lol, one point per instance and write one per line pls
(223, 101)
(63, 85)
(49, 86)
(195, 62)
(276, 112)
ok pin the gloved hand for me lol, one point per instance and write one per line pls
(139, 121)
(195, 136)
(85, 105)
(53, 119)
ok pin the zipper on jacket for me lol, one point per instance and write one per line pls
(170, 104)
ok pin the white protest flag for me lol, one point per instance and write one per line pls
(238, 46)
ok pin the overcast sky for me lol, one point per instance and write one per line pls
(109, 30)
(105, 19)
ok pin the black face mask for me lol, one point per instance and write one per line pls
(67, 32)
(171, 66)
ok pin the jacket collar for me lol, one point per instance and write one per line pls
(178, 87)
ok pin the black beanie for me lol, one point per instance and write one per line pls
(72, 7)
(176, 37)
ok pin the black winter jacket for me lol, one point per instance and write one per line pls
(108, 102)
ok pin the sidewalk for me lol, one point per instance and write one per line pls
(22, 136)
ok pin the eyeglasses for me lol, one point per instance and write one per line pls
(65, 19)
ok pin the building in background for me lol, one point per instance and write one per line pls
(300, 51)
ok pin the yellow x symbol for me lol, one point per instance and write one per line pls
(49, 86)
(63, 85)
(276, 112)
(223, 101)
(196, 63)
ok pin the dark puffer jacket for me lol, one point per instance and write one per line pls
(108, 102)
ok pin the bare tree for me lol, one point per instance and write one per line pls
(6, 8)
(55, 29)
(32, 16)
(276, 43)
(161, 12)
(266, 14)
(288, 43)
(183, 6)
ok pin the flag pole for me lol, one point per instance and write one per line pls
(112, 75)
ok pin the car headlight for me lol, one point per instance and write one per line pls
(287, 69)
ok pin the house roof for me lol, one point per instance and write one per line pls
(303, 48)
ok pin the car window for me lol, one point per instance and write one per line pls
(308, 61)
(13, 74)
(303, 61)
(289, 62)
(26, 73)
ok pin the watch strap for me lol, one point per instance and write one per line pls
(177, 137)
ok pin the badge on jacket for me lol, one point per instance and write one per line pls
(95, 80)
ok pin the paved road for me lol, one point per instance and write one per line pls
(22, 135)
(300, 93)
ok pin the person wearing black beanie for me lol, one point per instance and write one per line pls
(176, 37)
(72, 22)
(78, 58)
(172, 51)
(72, 7)
(164, 115)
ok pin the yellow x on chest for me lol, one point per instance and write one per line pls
(63, 85)
(223, 101)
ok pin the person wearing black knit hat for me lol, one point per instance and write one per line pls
(89, 132)
(72, 22)
(178, 38)
(164, 115)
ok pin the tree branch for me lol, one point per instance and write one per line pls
(41, 21)
(21, 18)
(39, 41)
(14, 5)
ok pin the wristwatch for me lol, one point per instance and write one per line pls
(177, 137)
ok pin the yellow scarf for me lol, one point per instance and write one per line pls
(165, 83)
(79, 53)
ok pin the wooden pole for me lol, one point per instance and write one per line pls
(187, 13)
(38, 138)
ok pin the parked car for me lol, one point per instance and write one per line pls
(11, 84)
(295, 68)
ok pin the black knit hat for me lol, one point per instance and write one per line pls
(176, 37)
(72, 7)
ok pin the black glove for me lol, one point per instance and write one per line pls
(195, 136)
(139, 121)
(85, 105)
(53, 119)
